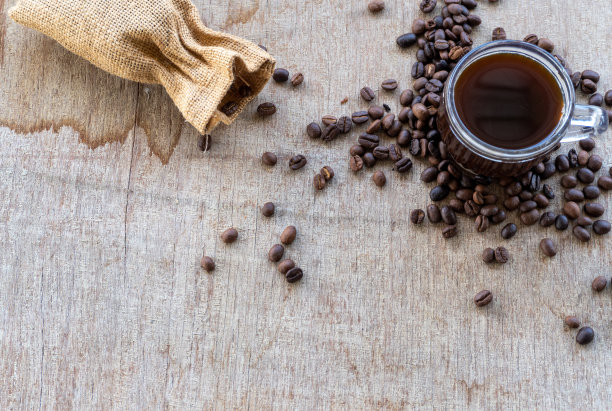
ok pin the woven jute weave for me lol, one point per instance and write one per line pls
(158, 42)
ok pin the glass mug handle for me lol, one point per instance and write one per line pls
(587, 121)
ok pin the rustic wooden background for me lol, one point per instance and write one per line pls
(102, 301)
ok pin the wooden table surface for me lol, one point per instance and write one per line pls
(102, 301)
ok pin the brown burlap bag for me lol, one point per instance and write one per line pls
(209, 75)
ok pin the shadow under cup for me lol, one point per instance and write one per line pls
(486, 154)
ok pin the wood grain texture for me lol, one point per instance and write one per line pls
(102, 301)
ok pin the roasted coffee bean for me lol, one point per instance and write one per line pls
(280, 75)
(404, 138)
(581, 233)
(573, 194)
(588, 86)
(297, 79)
(381, 152)
(266, 109)
(368, 141)
(433, 214)
(456, 205)
(449, 231)
(585, 335)
(207, 263)
(591, 192)
(379, 178)
(498, 34)
(314, 130)
(482, 223)
(327, 172)
(488, 255)
(512, 203)
(406, 97)
(204, 142)
(608, 98)
(601, 227)
(231, 107)
(443, 178)
(525, 195)
(293, 275)
(596, 100)
(587, 144)
(572, 156)
(387, 121)
(595, 162)
(531, 38)
(418, 69)
(549, 170)
(360, 117)
(548, 247)
(269, 158)
(420, 111)
(509, 231)
(376, 112)
(389, 84)
(229, 236)
(541, 200)
(483, 298)
(318, 182)
(448, 215)
(369, 160)
(285, 265)
(417, 216)
(547, 219)
(276, 253)
(288, 235)
(568, 181)
(502, 255)
(418, 26)
(594, 209)
(590, 75)
(438, 193)
(489, 210)
(530, 217)
(395, 129)
(464, 194)
(535, 182)
(328, 119)
(268, 209)
(403, 165)
(376, 6)
(298, 161)
(471, 208)
(562, 163)
(429, 174)
(406, 40)
(374, 127)
(395, 153)
(367, 94)
(514, 188)
(499, 217)
(572, 321)
(529, 205)
(571, 210)
(585, 175)
(548, 192)
(427, 6)
(584, 221)
(355, 163)
(575, 77)
(344, 125)
(561, 222)
(546, 44)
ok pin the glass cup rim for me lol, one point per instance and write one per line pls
(489, 151)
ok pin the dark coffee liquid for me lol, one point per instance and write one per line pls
(508, 100)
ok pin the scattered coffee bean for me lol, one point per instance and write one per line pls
(584, 221)
(266, 109)
(594, 209)
(355, 163)
(546, 44)
(596, 100)
(482, 223)
(367, 94)
(328, 119)
(369, 160)
(379, 178)
(488, 255)
(448, 215)
(269, 158)
(601, 227)
(229, 236)
(313, 130)
(374, 127)
(531, 38)
(360, 117)
(376, 6)
(547, 219)
(403, 165)
(605, 182)
(207, 263)
(599, 283)
(389, 84)
(530, 217)
(417, 216)
(296, 162)
(548, 247)
(327, 172)
(427, 6)
(318, 182)
(268, 209)
(572, 321)
(406, 40)
(288, 235)
(509, 231)
(595, 162)
(590, 75)
(502, 255)
(573, 194)
(376, 112)
(280, 75)
(285, 266)
(438, 193)
(571, 210)
(483, 298)
(406, 97)
(585, 335)
(588, 86)
(204, 142)
(568, 181)
(276, 253)
(344, 124)
(581, 233)
(561, 222)
(297, 79)
(433, 213)
(449, 231)
(499, 217)
(498, 34)
(294, 274)
(548, 192)
(229, 108)
(541, 200)
(591, 192)
(587, 144)
(429, 174)
(562, 163)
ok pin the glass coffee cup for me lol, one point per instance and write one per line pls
(471, 137)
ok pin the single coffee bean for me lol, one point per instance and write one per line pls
(298, 161)
(367, 94)
(360, 117)
(601, 227)
(498, 34)
(269, 158)
(268, 209)
(344, 124)
(443, 178)
(595, 162)
(464, 194)
(590, 75)
(549, 170)
(276, 253)
(403, 165)
(427, 6)
(588, 86)
(374, 127)
(591, 192)
(583, 158)
(509, 231)
(471, 208)
(530, 217)
(207, 263)
(318, 182)
(561, 222)
(314, 130)
(584, 221)
(368, 141)
(418, 26)
(429, 174)
(266, 109)
(420, 111)
(594, 209)
(547, 219)
(473, 20)
(483, 298)
(581, 233)
(562, 163)
(546, 44)
(572, 321)
(285, 266)
(448, 215)
(330, 132)
(573, 194)
(229, 108)
(280, 75)
(596, 100)
(502, 255)
(376, 6)
(355, 163)
(369, 160)
(449, 231)
(541, 200)
(327, 172)
(395, 152)
(433, 214)
(456, 205)
(569, 181)
(297, 79)
(482, 223)
(381, 152)
(406, 97)
(489, 210)
(608, 98)
(499, 217)
(587, 144)
(288, 235)
(571, 209)
(488, 255)
(229, 236)
(376, 112)
(438, 193)
(514, 188)
(531, 38)
(389, 84)
(204, 142)
(417, 216)
(576, 78)
(387, 121)
(548, 247)
(379, 178)
(530, 205)
(293, 275)
(512, 203)
(604, 182)
(525, 195)
(585, 335)
(406, 40)
(548, 192)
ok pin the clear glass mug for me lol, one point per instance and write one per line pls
(480, 158)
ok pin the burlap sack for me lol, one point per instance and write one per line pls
(210, 76)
